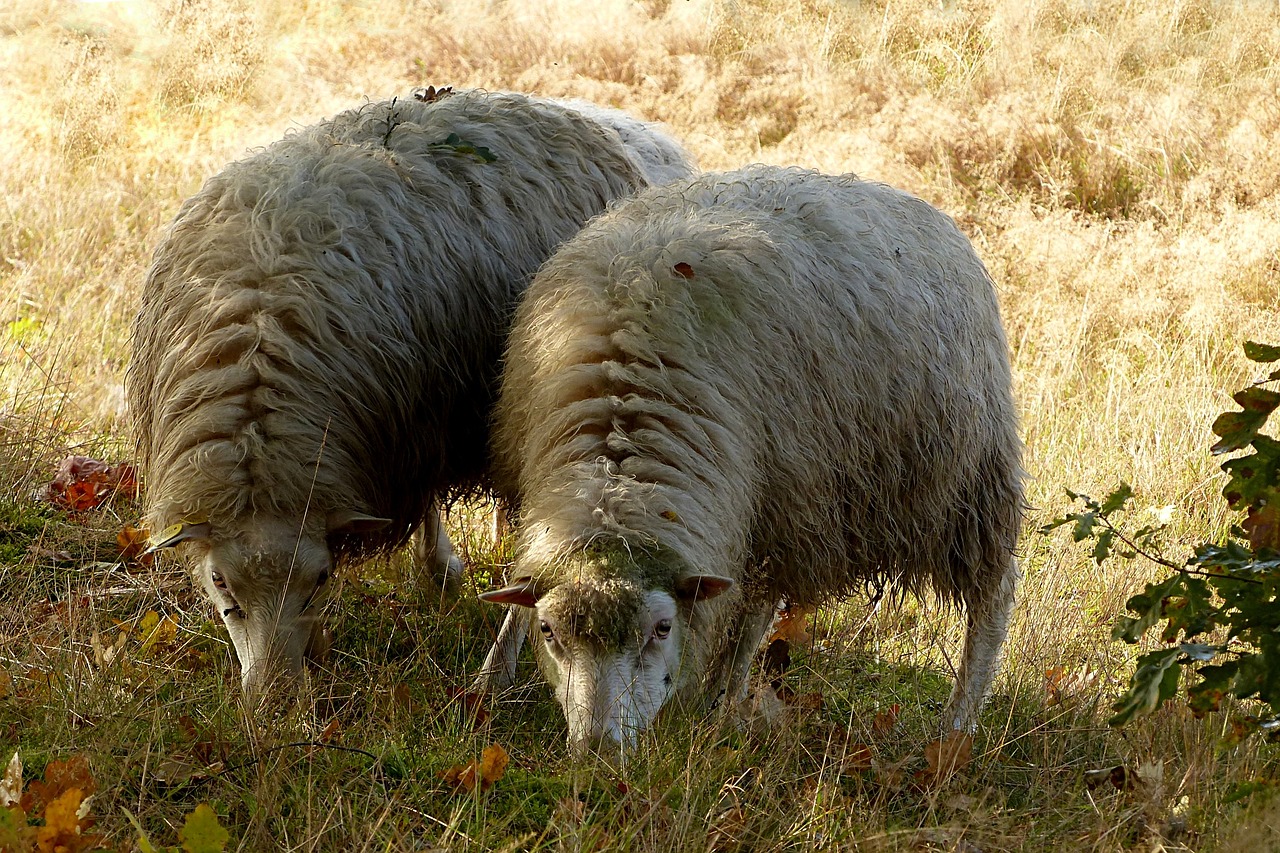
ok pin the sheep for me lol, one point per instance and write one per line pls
(762, 385)
(316, 351)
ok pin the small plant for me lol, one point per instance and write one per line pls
(1217, 612)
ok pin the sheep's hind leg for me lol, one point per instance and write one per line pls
(988, 615)
(433, 554)
(499, 669)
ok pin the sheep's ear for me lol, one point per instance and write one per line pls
(348, 521)
(700, 587)
(175, 533)
(524, 592)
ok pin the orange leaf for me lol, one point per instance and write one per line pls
(884, 721)
(331, 731)
(791, 625)
(133, 543)
(489, 769)
(683, 270)
(493, 765)
(65, 819)
(82, 483)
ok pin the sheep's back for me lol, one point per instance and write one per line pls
(322, 322)
(834, 354)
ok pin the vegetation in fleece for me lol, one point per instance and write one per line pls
(1116, 166)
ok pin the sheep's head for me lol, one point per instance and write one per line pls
(267, 580)
(611, 647)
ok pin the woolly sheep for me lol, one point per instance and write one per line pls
(759, 385)
(316, 352)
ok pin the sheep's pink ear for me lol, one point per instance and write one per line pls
(348, 521)
(524, 593)
(175, 533)
(701, 587)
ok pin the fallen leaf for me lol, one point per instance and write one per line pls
(777, 657)
(15, 833)
(331, 731)
(202, 833)
(60, 777)
(472, 705)
(946, 756)
(883, 722)
(791, 625)
(1119, 777)
(491, 767)
(727, 830)
(11, 784)
(134, 543)
(82, 483)
(683, 270)
(66, 818)
(857, 758)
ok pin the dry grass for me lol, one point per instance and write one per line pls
(1117, 165)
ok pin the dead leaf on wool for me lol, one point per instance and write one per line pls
(490, 768)
(683, 270)
(430, 94)
(791, 625)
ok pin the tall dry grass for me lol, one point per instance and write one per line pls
(1117, 165)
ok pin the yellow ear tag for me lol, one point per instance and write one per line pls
(175, 533)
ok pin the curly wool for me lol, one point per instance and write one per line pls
(321, 326)
(797, 381)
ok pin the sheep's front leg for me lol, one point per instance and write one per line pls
(499, 669)
(728, 679)
(987, 613)
(433, 554)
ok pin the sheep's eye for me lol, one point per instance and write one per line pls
(662, 629)
(218, 581)
(547, 633)
(323, 579)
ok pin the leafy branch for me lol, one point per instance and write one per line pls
(1219, 611)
